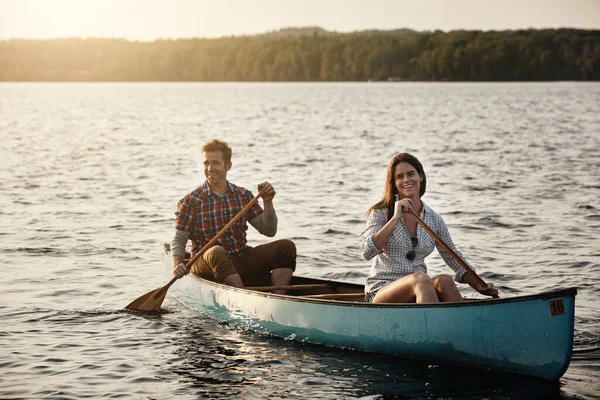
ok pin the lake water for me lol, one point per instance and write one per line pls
(91, 175)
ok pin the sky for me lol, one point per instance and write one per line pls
(148, 20)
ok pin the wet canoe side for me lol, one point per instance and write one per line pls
(530, 335)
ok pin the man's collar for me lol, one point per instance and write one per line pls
(209, 192)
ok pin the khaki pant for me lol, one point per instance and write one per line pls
(254, 267)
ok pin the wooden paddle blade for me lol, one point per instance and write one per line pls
(151, 301)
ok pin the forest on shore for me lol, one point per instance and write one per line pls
(313, 54)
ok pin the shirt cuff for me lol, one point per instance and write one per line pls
(371, 250)
(177, 251)
(458, 277)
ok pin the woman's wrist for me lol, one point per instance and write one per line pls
(396, 219)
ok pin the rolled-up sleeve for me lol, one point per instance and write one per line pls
(178, 243)
(183, 226)
(265, 224)
(442, 231)
(375, 222)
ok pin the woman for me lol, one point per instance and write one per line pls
(398, 273)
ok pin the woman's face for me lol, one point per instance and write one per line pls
(407, 180)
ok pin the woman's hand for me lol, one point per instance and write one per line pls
(488, 290)
(402, 206)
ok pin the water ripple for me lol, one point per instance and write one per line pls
(92, 174)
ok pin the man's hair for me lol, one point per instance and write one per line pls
(218, 145)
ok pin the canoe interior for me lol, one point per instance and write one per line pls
(312, 286)
(323, 290)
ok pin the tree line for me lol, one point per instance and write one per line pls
(312, 54)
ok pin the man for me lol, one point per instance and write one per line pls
(202, 213)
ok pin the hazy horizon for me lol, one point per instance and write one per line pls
(149, 20)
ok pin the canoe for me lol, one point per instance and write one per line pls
(530, 335)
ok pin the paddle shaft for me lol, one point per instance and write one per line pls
(449, 250)
(212, 241)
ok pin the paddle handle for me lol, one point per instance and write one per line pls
(449, 250)
(212, 241)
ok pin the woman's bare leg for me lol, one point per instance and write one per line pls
(446, 288)
(415, 288)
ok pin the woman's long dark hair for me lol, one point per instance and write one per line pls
(389, 193)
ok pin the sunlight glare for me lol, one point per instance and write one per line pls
(73, 18)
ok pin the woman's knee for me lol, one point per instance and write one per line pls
(421, 279)
(407, 289)
(443, 281)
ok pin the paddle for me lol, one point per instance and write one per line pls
(152, 301)
(449, 250)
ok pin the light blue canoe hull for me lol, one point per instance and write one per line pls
(517, 335)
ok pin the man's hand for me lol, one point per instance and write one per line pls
(268, 191)
(180, 270)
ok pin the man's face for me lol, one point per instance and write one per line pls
(215, 169)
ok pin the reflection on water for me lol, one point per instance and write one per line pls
(91, 174)
(247, 364)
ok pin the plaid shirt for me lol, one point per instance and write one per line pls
(391, 263)
(204, 214)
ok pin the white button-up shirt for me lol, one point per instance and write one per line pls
(390, 263)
